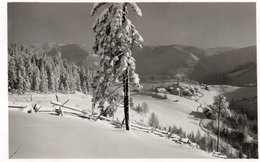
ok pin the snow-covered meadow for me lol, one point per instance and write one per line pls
(46, 136)
(42, 135)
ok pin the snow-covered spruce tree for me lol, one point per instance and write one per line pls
(50, 73)
(82, 76)
(220, 105)
(44, 80)
(115, 36)
(12, 73)
(36, 78)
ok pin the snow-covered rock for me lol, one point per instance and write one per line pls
(185, 140)
(175, 137)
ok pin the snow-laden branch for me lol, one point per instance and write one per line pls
(110, 94)
(136, 8)
(95, 7)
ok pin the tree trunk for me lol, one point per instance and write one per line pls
(126, 99)
(218, 128)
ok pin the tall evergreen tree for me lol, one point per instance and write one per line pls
(57, 72)
(82, 77)
(12, 72)
(221, 106)
(44, 80)
(36, 78)
(115, 36)
(29, 72)
(50, 74)
(76, 75)
(20, 82)
(89, 79)
(21, 73)
(64, 85)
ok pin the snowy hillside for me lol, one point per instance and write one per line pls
(46, 136)
(37, 128)
(29, 132)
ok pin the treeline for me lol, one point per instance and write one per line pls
(31, 70)
(243, 67)
(205, 142)
(247, 106)
(216, 78)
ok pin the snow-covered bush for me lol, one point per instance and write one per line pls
(142, 108)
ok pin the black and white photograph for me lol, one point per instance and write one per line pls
(131, 80)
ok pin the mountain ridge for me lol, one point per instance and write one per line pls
(172, 61)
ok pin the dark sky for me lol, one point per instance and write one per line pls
(198, 24)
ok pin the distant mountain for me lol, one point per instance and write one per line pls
(245, 76)
(198, 64)
(219, 50)
(225, 63)
(72, 52)
(168, 60)
(77, 53)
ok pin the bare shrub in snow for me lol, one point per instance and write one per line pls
(153, 120)
(142, 108)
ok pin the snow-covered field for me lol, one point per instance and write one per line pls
(42, 135)
(172, 113)
(183, 113)
(47, 136)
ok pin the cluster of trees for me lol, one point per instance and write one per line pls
(205, 142)
(153, 94)
(246, 106)
(173, 129)
(244, 121)
(153, 78)
(215, 78)
(165, 78)
(31, 70)
(140, 108)
(238, 139)
(240, 128)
